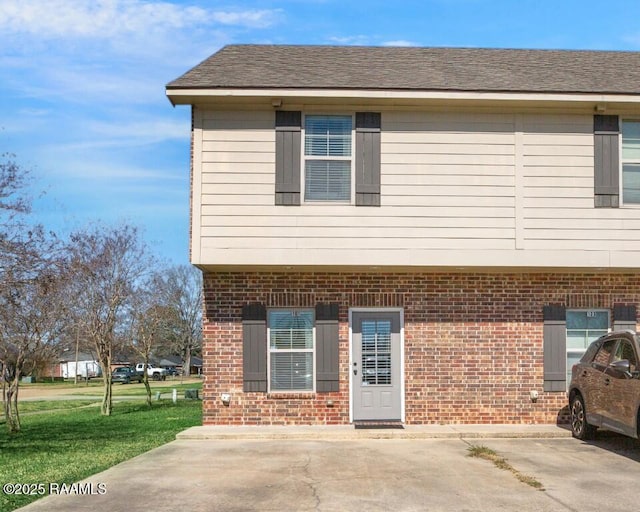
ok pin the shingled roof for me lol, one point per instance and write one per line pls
(415, 69)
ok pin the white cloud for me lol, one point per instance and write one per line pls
(106, 19)
(350, 40)
(82, 174)
(149, 130)
(399, 42)
(125, 134)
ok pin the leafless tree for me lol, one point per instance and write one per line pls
(31, 280)
(108, 263)
(31, 321)
(149, 318)
(181, 290)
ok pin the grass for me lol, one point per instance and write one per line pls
(52, 405)
(96, 387)
(67, 446)
(161, 386)
(482, 452)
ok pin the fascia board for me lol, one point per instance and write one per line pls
(187, 96)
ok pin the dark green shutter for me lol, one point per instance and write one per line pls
(624, 318)
(254, 348)
(327, 351)
(555, 348)
(368, 126)
(288, 141)
(606, 161)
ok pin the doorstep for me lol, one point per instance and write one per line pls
(345, 432)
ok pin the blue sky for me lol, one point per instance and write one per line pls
(82, 101)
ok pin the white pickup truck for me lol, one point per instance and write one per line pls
(153, 372)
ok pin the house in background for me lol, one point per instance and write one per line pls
(422, 235)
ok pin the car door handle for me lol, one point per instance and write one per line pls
(607, 381)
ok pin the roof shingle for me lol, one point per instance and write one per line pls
(419, 69)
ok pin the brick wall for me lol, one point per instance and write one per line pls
(472, 342)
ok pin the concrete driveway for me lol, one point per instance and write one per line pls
(365, 474)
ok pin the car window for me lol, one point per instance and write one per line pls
(591, 351)
(604, 354)
(625, 351)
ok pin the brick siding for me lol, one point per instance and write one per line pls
(472, 341)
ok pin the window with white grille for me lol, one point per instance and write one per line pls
(631, 162)
(327, 158)
(291, 347)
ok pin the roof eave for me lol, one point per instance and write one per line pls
(190, 96)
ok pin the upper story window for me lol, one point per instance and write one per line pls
(631, 162)
(327, 158)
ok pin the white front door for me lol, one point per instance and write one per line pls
(376, 366)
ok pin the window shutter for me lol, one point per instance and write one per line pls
(327, 347)
(368, 158)
(254, 348)
(555, 348)
(624, 318)
(288, 141)
(606, 161)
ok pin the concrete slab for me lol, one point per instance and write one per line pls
(372, 474)
(345, 432)
(258, 475)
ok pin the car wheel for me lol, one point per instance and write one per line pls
(126, 381)
(580, 429)
(156, 376)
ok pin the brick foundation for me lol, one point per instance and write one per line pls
(472, 342)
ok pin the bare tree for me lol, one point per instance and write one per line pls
(29, 296)
(108, 264)
(149, 319)
(31, 321)
(181, 290)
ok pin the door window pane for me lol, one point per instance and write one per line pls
(376, 352)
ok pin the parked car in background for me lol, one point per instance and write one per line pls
(605, 387)
(154, 372)
(125, 375)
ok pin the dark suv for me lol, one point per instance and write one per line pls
(125, 375)
(605, 387)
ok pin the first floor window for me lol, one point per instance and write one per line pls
(291, 347)
(583, 327)
(631, 162)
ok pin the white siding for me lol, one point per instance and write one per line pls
(559, 208)
(468, 189)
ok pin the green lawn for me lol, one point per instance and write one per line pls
(163, 387)
(67, 446)
(51, 405)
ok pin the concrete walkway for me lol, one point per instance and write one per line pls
(346, 432)
(341, 469)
